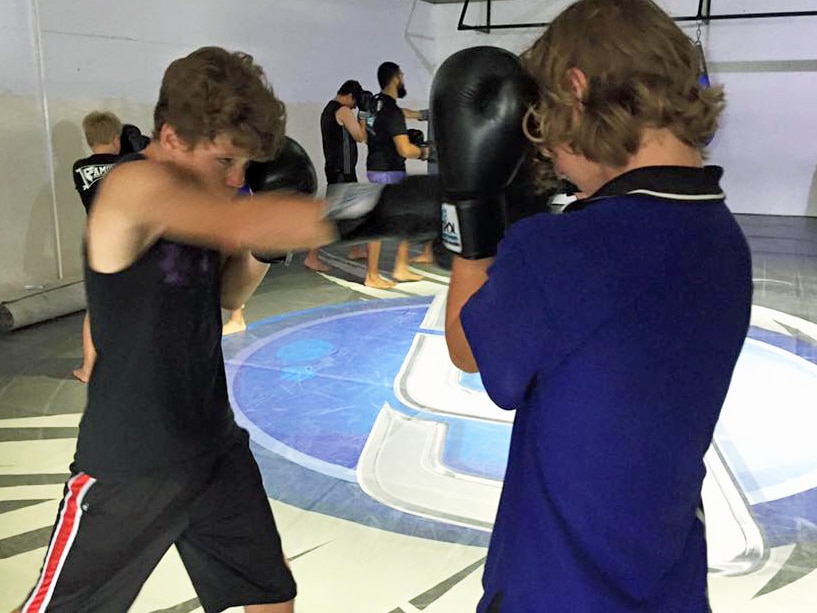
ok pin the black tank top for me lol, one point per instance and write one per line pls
(339, 148)
(157, 400)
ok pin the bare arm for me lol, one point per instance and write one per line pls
(412, 114)
(241, 275)
(142, 201)
(356, 128)
(406, 149)
(467, 276)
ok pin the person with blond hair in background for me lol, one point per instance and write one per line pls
(102, 131)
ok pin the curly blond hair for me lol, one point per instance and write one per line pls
(642, 71)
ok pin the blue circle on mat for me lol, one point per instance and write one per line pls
(310, 385)
(312, 389)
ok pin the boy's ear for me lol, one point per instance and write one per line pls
(170, 140)
(578, 83)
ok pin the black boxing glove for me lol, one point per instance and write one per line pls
(131, 139)
(365, 101)
(368, 211)
(367, 108)
(528, 194)
(416, 137)
(290, 170)
(361, 211)
(479, 97)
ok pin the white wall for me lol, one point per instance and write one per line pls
(63, 58)
(767, 143)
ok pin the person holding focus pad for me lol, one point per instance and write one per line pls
(612, 329)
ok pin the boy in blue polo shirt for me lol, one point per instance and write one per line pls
(612, 329)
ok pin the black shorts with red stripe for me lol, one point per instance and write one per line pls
(110, 535)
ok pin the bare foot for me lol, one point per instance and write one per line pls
(423, 258)
(313, 263)
(231, 327)
(378, 282)
(405, 275)
(357, 252)
(80, 374)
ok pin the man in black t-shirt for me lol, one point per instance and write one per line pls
(389, 147)
(102, 133)
(341, 131)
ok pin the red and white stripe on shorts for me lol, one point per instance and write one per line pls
(61, 541)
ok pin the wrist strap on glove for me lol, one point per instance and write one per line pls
(472, 228)
(352, 200)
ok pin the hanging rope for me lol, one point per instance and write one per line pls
(703, 73)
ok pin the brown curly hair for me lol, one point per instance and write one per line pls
(213, 91)
(642, 71)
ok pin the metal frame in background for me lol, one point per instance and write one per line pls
(703, 15)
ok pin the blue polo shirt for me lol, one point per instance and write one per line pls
(613, 330)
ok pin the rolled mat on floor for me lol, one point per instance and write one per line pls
(41, 305)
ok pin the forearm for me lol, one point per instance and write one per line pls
(410, 151)
(241, 274)
(300, 223)
(415, 115)
(362, 135)
(355, 126)
(467, 276)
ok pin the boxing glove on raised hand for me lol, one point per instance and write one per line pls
(290, 170)
(361, 211)
(367, 211)
(131, 139)
(479, 97)
(367, 108)
(416, 137)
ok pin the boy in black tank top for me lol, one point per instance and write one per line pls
(160, 460)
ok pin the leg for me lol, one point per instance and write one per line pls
(401, 269)
(373, 278)
(237, 323)
(357, 252)
(284, 607)
(108, 538)
(426, 257)
(312, 262)
(231, 547)
(83, 373)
